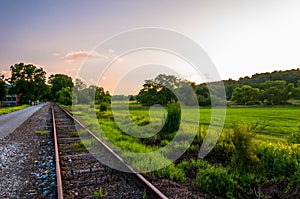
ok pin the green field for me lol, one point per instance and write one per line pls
(5, 110)
(280, 121)
(239, 157)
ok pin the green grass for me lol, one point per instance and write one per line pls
(6, 110)
(277, 158)
(281, 121)
(124, 103)
(42, 132)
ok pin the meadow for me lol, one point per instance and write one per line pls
(280, 121)
(257, 150)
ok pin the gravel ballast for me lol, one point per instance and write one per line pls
(26, 158)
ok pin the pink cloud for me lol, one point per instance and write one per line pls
(82, 55)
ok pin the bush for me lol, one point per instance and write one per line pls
(242, 137)
(294, 138)
(216, 180)
(172, 123)
(164, 143)
(171, 172)
(279, 159)
(103, 107)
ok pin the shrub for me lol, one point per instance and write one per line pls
(171, 172)
(279, 159)
(193, 164)
(103, 107)
(164, 143)
(216, 180)
(172, 123)
(294, 138)
(245, 183)
(242, 137)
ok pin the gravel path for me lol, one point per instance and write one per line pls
(22, 154)
(9, 122)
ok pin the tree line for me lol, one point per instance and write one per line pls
(260, 89)
(276, 88)
(29, 83)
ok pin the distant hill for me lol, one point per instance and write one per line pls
(290, 76)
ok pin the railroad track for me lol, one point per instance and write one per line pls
(81, 175)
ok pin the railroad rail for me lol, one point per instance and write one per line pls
(81, 175)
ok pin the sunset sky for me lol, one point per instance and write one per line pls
(242, 37)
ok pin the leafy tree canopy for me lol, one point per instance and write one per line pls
(245, 95)
(28, 81)
(58, 82)
(91, 94)
(65, 96)
(159, 90)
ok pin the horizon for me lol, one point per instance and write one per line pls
(140, 86)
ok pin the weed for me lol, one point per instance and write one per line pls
(78, 146)
(100, 193)
(42, 132)
(73, 134)
(294, 137)
(145, 195)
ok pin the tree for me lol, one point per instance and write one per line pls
(92, 94)
(277, 92)
(29, 82)
(101, 96)
(79, 84)
(58, 82)
(65, 96)
(245, 95)
(297, 90)
(186, 93)
(159, 90)
(203, 95)
(3, 89)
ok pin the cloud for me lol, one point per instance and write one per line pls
(81, 56)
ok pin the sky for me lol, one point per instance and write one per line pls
(241, 37)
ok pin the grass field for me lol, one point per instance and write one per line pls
(280, 121)
(5, 110)
(264, 161)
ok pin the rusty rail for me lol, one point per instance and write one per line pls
(154, 192)
(59, 185)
